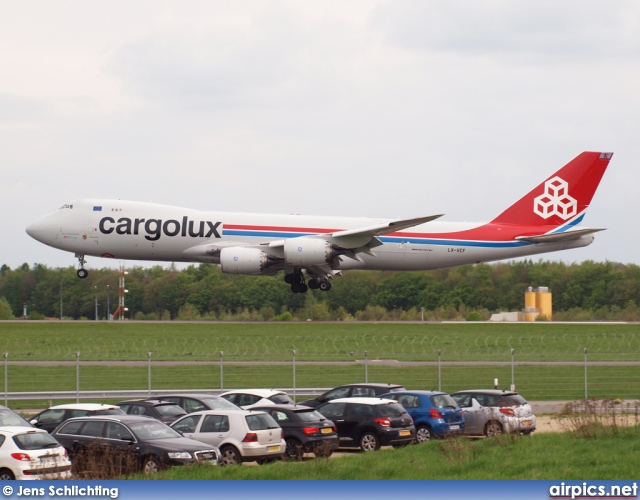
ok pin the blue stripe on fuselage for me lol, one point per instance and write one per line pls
(387, 239)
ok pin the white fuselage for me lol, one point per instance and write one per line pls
(145, 231)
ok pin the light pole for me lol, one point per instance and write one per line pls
(96, 290)
(108, 309)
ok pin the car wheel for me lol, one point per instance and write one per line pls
(230, 456)
(369, 442)
(6, 475)
(293, 450)
(423, 434)
(492, 428)
(151, 465)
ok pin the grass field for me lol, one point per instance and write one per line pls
(539, 456)
(389, 347)
(32, 340)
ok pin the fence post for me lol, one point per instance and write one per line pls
(149, 370)
(366, 367)
(221, 371)
(294, 375)
(77, 376)
(6, 379)
(513, 381)
(585, 373)
(439, 371)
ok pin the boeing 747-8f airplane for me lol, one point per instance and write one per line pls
(545, 220)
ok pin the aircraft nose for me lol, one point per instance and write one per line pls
(40, 230)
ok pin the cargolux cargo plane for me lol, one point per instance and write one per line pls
(311, 250)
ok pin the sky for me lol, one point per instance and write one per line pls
(391, 109)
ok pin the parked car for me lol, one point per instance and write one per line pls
(369, 423)
(241, 435)
(8, 417)
(365, 390)
(491, 412)
(54, 416)
(305, 430)
(435, 414)
(164, 411)
(151, 444)
(191, 402)
(248, 398)
(28, 453)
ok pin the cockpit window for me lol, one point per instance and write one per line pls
(66, 205)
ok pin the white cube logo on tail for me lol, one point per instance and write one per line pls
(555, 200)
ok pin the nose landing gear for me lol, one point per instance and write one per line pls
(82, 272)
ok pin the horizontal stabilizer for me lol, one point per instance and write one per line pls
(556, 237)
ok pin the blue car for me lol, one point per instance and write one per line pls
(435, 414)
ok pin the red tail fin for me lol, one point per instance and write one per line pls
(562, 196)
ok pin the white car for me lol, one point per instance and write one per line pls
(248, 398)
(491, 411)
(28, 453)
(241, 435)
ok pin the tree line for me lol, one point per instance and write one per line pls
(581, 291)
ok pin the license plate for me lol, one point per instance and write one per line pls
(454, 427)
(405, 433)
(207, 456)
(326, 430)
(273, 448)
(527, 422)
(47, 461)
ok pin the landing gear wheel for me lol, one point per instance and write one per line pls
(313, 284)
(289, 279)
(325, 286)
(82, 273)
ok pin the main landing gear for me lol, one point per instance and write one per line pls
(82, 272)
(298, 285)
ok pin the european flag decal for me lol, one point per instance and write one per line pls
(97, 209)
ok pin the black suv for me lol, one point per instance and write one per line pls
(365, 390)
(152, 444)
(305, 430)
(164, 411)
(368, 423)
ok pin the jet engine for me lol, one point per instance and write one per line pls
(304, 252)
(243, 260)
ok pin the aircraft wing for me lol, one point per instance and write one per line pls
(357, 238)
(556, 237)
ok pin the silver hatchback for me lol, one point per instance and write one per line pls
(241, 435)
(490, 412)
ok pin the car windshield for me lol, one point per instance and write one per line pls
(310, 415)
(281, 399)
(261, 421)
(145, 431)
(11, 418)
(391, 410)
(443, 401)
(170, 410)
(219, 404)
(35, 441)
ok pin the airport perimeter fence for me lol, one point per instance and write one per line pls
(41, 371)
